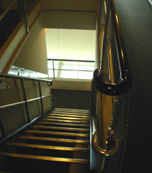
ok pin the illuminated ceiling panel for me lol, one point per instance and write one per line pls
(71, 44)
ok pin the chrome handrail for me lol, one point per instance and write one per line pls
(109, 88)
(126, 81)
(100, 151)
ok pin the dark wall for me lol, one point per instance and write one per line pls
(71, 99)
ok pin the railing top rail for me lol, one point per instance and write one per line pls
(26, 78)
(120, 41)
(50, 59)
(125, 84)
(5, 12)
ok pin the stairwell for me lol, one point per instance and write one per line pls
(58, 142)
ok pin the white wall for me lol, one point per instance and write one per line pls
(69, 19)
(72, 5)
(69, 14)
(33, 54)
(65, 84)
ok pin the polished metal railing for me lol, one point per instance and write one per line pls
(111, 26)
(112, 80)
(21, 87)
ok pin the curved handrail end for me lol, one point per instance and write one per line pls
(104, 152)
(112, 89)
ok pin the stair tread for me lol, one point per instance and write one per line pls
(68, 115)
(61, 136)
(61, 128)
(55, 139)
(62, 124)
(46, 158)
(57, 133)
(68, 109)
(49, 147)
(68, 118)
(67, 121)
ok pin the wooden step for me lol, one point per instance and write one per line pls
(68, 118)
(71, 113)
(60, 128)
(56, 142)
(47, 150)
(71, 110)
(57, 133)
(46, 158)
(66, 121)
(75, 141)
(67, 115)
(48, 147)
(63, 124)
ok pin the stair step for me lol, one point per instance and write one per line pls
(71, 110)
(58, 142)
(46, 158)
(63, 124)
(60, 128)
(48, 147)
(71, 113)
(68, 115)
(47, 150)
(76, 141)
(67, 121)
(39, 132)
(68, 118)
(57, 133)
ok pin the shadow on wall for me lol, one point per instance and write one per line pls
(71, 99)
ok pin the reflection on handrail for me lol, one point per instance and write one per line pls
(126, 81)
(150, 1)
(97, 148)
(104, 152)
(5, 12)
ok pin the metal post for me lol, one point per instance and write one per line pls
(22, 13)
(25, 99)
(53, 70)
(2, 128)
(40, 92)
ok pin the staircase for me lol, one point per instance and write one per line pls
(58, 142)
(7, 25)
